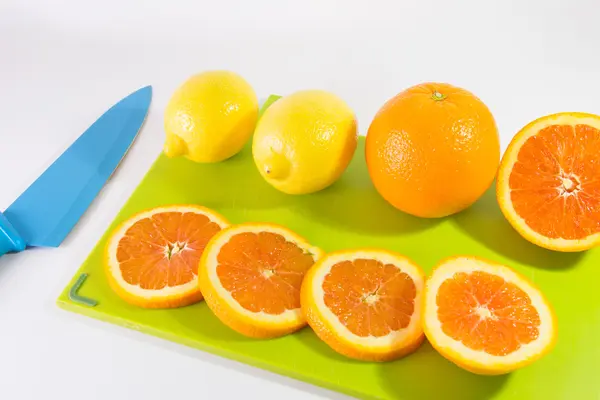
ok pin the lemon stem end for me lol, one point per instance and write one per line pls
(175, 146)
(277, 166)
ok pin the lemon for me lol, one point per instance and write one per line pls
(210, 117)
(304, 141)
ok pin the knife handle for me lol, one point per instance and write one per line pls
(10, 240)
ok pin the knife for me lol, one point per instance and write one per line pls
(48, 209)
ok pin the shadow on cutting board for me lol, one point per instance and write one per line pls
(426, 375)
(231, 184)
(205, 324)
(353, 203)
(485, 223)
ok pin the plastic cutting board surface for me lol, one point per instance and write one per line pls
(351, 214)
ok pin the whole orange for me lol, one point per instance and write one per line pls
(433, 150)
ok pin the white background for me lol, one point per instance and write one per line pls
(63, 63)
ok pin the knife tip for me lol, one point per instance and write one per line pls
(147, 89)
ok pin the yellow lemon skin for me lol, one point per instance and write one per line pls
(210, 117)
(304, 141)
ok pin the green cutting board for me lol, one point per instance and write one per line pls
(349, 214)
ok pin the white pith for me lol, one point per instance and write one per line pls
(392, 339)
(509, 160)
(470, 265)
(136, 290)
(285, 318)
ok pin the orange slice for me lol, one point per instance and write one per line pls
(365, 303)
(250, 275)
(549, 182)
(152, 258)
(485, 317)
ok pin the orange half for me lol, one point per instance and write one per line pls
(251, 274)
(152, 258)
(485, 317)
(365, 303)
(549, 182)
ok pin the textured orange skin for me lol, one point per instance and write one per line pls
(228, 315)
(464, 362)
(325, 331)
(432, 158)
(173, 301)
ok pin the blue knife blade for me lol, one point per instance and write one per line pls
(48, 209)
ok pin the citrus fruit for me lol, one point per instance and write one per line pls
(432, 150)
(365, 303)
(485, 317)
(548, 183)
(250, 275)
(152, 258)
(210, 117)
(303, 142)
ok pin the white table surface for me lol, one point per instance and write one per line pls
(63, 63)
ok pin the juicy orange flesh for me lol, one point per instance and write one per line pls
(555, 182)
(263, 271)
(143, 253)
(486, 313)
(370, 298)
